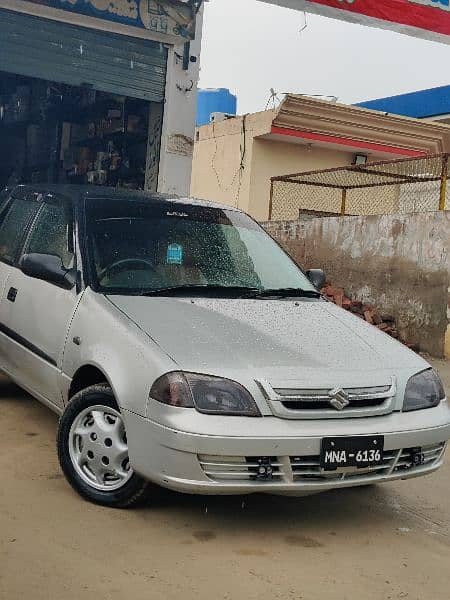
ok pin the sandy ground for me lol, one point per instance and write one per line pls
(382, 542)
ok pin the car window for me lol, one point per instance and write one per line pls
(13, 228)
(52, 233)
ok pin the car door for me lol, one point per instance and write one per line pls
(5, 200)
(42, 311)
(16, 214)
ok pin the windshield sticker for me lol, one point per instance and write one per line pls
(176, 214)
(174, 254)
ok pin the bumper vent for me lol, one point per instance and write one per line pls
(307, 470)
(241, 468)
(394, 461)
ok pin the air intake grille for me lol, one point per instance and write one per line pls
(238, 468)
(328, 403)
(307, 470)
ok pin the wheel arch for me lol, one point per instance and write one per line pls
(86, 376)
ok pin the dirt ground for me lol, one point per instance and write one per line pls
(382, 542)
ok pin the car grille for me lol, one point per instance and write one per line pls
(318, 403)
(306, 469)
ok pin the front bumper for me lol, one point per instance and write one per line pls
(201, 463)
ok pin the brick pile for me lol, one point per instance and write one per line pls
(369, 313)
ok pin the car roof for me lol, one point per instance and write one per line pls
(92, 192)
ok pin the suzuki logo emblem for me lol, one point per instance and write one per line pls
(339, 399)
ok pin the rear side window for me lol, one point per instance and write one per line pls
(13, 228)
(53, 234)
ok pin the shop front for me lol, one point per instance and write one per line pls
(83, 91)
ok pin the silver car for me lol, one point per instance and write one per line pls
(182, 347)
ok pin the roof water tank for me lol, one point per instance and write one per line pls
(209, 101)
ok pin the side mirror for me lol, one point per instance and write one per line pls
(48, 268)
(316, 277)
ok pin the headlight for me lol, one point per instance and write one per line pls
(423, 390)
(210, 395)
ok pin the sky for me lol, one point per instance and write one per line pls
(250, 47)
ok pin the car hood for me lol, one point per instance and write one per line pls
(309, 342)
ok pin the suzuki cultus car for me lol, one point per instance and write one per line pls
(181, 346)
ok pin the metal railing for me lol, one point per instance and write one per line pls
(401, 186)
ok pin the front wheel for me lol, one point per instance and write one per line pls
(93, 450)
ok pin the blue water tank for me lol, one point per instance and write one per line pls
(214, 100)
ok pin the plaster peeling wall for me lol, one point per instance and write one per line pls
(180, 109)
(223, 160)
(398, 262)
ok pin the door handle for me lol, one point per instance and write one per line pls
(12, 294)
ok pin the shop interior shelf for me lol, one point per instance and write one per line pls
(130, 137)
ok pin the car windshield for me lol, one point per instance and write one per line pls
(140, 247)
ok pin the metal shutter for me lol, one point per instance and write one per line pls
(55, 51)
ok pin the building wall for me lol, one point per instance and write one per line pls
(272, 158)
(219, 175)
(399, 262)
(178, 125)
(223, 155)
(222, 172)
(235, 159)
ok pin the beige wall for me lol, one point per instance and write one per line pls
(217, 172)
(234, 160)
(271, 158)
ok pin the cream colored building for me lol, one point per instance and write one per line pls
(235, 159)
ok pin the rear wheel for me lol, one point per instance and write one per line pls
(93, 450)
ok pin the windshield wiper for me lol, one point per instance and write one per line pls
(235, 290)
(284, 293)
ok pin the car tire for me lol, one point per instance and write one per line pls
(93, 451)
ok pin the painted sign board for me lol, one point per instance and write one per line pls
(166, 18)
(428, 19)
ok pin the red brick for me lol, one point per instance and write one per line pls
(368, 316)
(346, 303)
(376, 318)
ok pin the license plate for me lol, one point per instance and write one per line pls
(360, 452)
